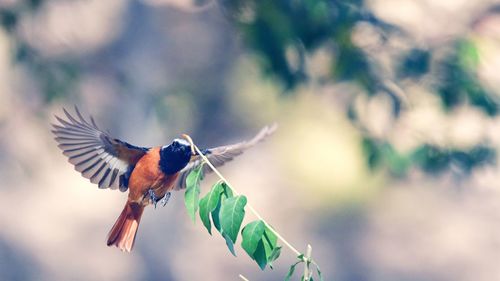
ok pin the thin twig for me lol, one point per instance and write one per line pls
(243, 278)
(307, 272)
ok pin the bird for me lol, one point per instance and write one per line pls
(149, 174)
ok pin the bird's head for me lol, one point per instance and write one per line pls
(175, 156)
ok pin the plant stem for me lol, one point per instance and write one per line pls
(243, 278)
(205, 159)
(307, 271)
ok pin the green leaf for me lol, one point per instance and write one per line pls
(260, 243)
(251, 235)
(215, 214)
(227, 214)
(260, 255)
(204, 214)
(231, 215)
(291, 271)
(192, 194)
(194, 177)
(229, 243)
(265, 248)
(270, 237)
(226, 193)
(209, 203)
(275, 254)
(318, 270)
(319, 273)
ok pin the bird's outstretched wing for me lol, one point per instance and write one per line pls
(218, 156)
(102, 159)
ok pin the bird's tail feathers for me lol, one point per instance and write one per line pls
(122, 234)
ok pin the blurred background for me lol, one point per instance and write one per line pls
(385, 160)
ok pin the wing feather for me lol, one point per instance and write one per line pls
(95, 154)
(218, 156)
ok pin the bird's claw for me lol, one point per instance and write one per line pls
(165, 198)
(153, 198)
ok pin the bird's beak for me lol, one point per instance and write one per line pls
(190, 140)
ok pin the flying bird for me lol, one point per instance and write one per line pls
(147, 173)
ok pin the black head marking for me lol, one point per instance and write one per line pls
(175, 156)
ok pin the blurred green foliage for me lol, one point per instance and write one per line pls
(459, 83)
(276, 26)
(429, 158)
(305, 26)
(276, 29)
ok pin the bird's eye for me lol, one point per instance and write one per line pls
(175, 144)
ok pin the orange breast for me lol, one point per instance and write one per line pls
(147, 175)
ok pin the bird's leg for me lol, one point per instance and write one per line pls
(165, 198)
(152, 196)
